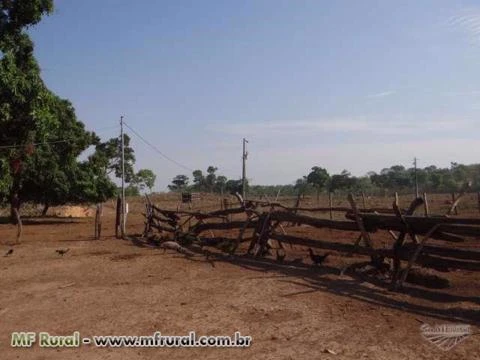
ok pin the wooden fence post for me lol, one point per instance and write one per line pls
(225, 207)
(453, 202)
(98, 221)
(364, 202)
(330, 202)
(364, 234)
(95, 226)
(478, 199)
(19, 224)
(427, 212)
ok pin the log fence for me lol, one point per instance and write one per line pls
(410, 231)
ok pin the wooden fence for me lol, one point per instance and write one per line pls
(410, 231)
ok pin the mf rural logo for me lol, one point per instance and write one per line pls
(446, 336)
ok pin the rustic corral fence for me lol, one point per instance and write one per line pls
(269, 220)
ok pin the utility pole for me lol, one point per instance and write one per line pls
(123, 179)
(244, 171)
(416, 179)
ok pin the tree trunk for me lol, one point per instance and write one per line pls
(14, 208)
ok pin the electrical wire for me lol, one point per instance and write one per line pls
(156, 149)
(101, 130)
(35, 144)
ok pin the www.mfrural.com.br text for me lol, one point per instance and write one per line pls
(46, 340)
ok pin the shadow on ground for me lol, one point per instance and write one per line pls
(356, 287)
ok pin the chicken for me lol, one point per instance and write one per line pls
(317, 259)
(61, 251)
(9, 252)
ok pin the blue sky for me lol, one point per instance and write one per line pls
(357, 85)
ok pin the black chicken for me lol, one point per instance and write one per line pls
(317, 259)
(62, 251)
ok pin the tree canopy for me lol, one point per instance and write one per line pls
(41, 138)
(392, 179)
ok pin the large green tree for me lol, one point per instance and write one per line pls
(24, 99)
(40, 135)
(318, 177)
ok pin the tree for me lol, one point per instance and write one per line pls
(51, 169)
(220, 184)
(233, 186)
(210, 178)
(198, 180)
(145, 178)
(342, 181)
(301, 185)
(179, 183)
(132, 190)
(109, 156)
(318, 177)
(31, 114)
(23, 95)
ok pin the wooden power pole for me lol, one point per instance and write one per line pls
(244, 171)
(123, 179)
(416, 179)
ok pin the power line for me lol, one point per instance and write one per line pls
(35, 144)
(157, 150)
(46, 142)
(107, 128)
(96, 131)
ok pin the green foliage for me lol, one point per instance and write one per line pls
(144, 178)
(396, 178)
(211, 178)
(220, 184)
(108, 155)
(131, 190)
(234, 186)
(341, 181)
(301, 185)
(210, 183)
(198, 180)
(179, 183)
(30, 114)
(318, 177)
(16, 15)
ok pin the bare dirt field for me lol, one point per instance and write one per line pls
(123, 287)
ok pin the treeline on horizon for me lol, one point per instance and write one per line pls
(397, 178)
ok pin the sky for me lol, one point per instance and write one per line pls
(357, 85)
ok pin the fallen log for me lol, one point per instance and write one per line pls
(431, 220)
(172, 245)
(164, 220)
(200, 214)
(171, 214)
(315, 222)
(221, 226)
(207, 241)
(162, 228)
(420, 224)
(447, 252)
(321, 209)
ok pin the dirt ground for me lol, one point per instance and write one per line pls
(121, 287)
